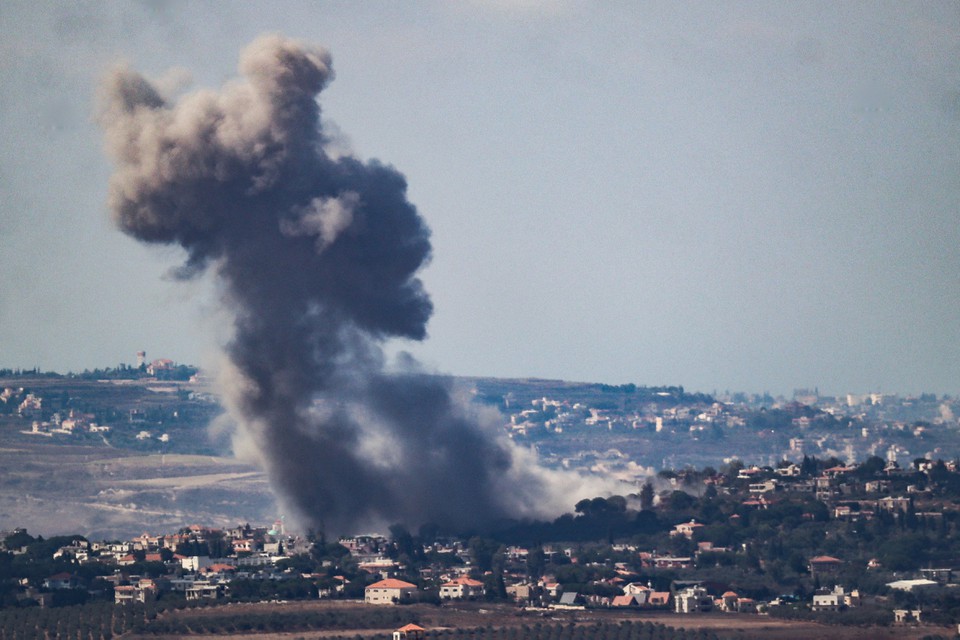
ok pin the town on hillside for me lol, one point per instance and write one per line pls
(844, 510)
(621, 431)
(867, 543)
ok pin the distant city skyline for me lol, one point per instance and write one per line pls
(744, 197)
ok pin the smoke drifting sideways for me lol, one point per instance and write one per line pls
(316, 255)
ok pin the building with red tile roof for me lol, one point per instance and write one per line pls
(389, 591)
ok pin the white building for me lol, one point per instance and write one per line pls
(460, 588)
(389, 591)
(693, 600)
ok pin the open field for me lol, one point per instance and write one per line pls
(481, 616)
(54, 487)
(125, 481)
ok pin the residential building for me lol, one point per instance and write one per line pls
(389, 591)
(693, 600)
(460, 588)
(825, 565)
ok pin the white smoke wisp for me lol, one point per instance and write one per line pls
(316, 256)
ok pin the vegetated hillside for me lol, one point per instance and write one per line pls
(508, 393)
(129, 414)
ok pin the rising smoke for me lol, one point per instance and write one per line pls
(317, 256)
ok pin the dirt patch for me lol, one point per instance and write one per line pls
(474, 615)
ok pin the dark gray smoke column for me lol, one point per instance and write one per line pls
(318, 257)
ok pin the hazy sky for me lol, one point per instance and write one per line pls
(746, 196)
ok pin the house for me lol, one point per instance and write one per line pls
(670, 562)
(686, 529)
(825, 565)
(763, 487)
(245, 545)
(728, 601)
(460, 588)
(894, 505)
(144, 591)
(520, 591)
(382, 567)
(157, 366)
(219, 568)
(658, 599)
(843, 511)
(836, 472)
(693, 600)
(789, 471)
(195, 563)
(853, 599)
(273, 548)
(829, 600)
(638, 591)
(203, 590)
(125, 594)
(409, 632)
(78, 550)
(624, 601)
(876, 486)
(61, 581)
(389, 591)
(747, 605)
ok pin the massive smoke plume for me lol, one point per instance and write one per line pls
(317, 256)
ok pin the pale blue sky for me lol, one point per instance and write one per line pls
(750, 196)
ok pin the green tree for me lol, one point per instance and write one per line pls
(483, 550)
(536, 562)
(646, 496)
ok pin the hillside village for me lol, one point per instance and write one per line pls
(849, 543)
(845, 510)
(627, 431)
(621, 431)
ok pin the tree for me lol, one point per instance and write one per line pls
(871, 467)
(483, 551)
(536, 562)
(18, 539)
(403, 542)
(646, 496)
(733, 469)
(680, 500)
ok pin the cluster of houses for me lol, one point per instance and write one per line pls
(834, 483)
(68, 423)
(247, 552)
(874, 424)
(254, 552)
(30, 407)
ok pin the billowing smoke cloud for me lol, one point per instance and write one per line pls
(317, 255)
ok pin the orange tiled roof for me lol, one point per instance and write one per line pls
(465, 581)
(391, 583)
